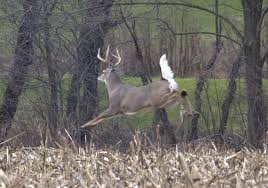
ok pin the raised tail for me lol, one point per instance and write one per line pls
(167, 73)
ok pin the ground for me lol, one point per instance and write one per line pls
(200, 165)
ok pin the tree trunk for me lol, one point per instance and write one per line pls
(257, 123)
(161, 115)
(218, 25)
(53, 109)
(73, 95)
(90, 40)
(92, 34)
(229, 95)
(23, 59)
(145, 75)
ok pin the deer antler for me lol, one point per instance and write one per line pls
(106, 57)
(117, 57)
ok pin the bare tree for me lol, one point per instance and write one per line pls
(198, 91)
(201, 80)
(257, 124)
(94, 27)
(53, 109)
(231, 89)
(23, 59)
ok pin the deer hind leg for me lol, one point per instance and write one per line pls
(170, 99)
(108, 113)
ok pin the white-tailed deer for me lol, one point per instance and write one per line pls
(127, 100)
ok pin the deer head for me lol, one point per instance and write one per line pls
(108, 72)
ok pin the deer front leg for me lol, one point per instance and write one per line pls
(108, 113)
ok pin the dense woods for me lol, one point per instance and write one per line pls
(49, 70)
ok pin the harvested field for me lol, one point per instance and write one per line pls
(202, 165)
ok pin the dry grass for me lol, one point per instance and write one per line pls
(202, 165)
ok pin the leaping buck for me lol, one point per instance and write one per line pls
(128, 100)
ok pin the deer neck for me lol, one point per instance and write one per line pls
(113, 82)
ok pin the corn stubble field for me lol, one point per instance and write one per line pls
(200, 164)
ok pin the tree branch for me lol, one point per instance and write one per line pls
(198, 32)
(264, 12)
(228, 21)
(264, 57)
(209, 33)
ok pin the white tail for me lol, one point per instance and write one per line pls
(168, 74)
(127, 100)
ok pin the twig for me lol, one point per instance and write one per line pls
(2, 143)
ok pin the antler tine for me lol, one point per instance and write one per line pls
(106, 57)
(107, 52)
(118, 57)
(99, 57)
